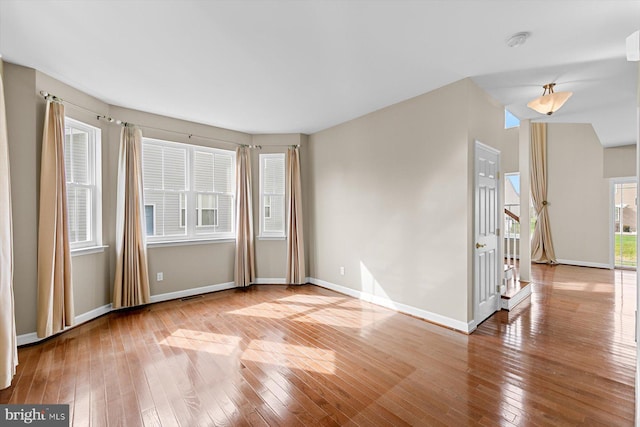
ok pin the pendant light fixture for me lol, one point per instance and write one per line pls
(550, 101)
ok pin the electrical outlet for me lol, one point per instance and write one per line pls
(342, 271)
(160, 277)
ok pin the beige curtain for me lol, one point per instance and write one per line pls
(131, 284)
(55, 291)
(245, 270)
(8, 346)
(541, 243)
(295, 240)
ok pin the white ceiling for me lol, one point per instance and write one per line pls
(302, 66)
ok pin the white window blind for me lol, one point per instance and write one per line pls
(272, 195)
(188, 191)
(83, 179)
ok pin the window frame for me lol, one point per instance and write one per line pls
(193, 232)
(262, 216)
(94, 171)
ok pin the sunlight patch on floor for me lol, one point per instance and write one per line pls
(345, 318)
(311, 299)
(291, 356)
(584, 286)
(272, 310)
(202, 341)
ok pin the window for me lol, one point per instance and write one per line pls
(188, 191)
(83, 178)
(510, 121)
(272, 211)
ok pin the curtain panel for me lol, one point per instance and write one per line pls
(55, 290)
(541, 244)
(295, 239)
(131, 284)
(8, 344)
(245, 270)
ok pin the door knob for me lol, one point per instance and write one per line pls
(478, 246)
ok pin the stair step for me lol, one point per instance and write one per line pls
(515, 294)
(514, 289)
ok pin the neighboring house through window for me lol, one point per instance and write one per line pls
(272, 189)
(83, 181)
(189, 191)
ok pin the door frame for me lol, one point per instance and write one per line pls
(612, 214)
(499, 227)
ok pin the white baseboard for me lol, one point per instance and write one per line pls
(584, 263)
(403, 308)
(32, 337)
(27, 338)
(270, 281)
(191, 292)
(90, 315)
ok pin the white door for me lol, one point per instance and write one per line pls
(486, 257)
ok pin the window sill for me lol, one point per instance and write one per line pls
(89, 250)
(187, 242)
(272, 237)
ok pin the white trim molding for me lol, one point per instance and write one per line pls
(585, 264)
(270, 281)
(32, 337)
(92, 314)
(193, 291)
(393, 305)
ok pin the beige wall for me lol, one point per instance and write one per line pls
(578, 195)
(390, 198)
(620, 162)
(24, 157)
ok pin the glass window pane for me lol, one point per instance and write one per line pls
(149, 217)
(225, 213)
(152, 166)
(71, 214)
(223, 173)
(80, 156)
(173, 216)
(275, 222)
(79, 214)
(203, 171)
(207, 210)
(174, 168)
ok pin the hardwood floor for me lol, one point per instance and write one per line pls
(276, 355)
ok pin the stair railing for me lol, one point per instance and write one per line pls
(511, 234)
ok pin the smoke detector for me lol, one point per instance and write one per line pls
(518, 39)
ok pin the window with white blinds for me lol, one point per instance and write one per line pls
(83, 179)
(272, 189)
(189, 191)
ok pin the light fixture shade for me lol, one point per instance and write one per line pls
(550, 102)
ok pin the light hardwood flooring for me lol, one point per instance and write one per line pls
(286, 356)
